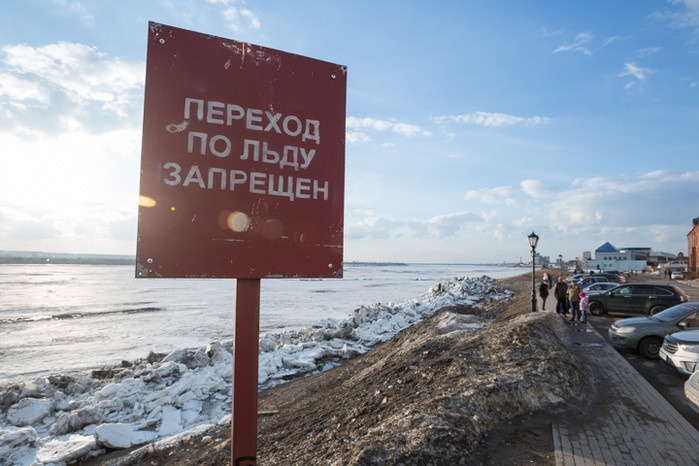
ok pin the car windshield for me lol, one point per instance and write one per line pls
(673, 313)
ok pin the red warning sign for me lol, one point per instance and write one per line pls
(242, 164)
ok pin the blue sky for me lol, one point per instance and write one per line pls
(469, 123)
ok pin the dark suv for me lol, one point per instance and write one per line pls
(636, 298)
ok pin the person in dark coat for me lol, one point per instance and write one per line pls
(543, 293)
(547, 280)
(561, 293)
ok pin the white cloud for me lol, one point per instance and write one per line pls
(356, 137)
(358, 128)
(21, 91)
(628, 210)
(241, 19)
(69, 119)
(75, 82)
(630, 69)
(626, 203)
(440, 226)
(491, 120)
(648, 51)
(368, 123)
(251, 18)
(534, 188)
(77, 9)
(501, 194)
(657, 174)
(579, 44)
(582, 43)
(688, 18)
(408, 130)
(552, 33)
(81, 71)
(377, 227)
(238, 19)
(450, 224)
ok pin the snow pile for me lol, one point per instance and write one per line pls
(59, 419)
(290, 354)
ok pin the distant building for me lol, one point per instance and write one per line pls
(607, 257)
(679, 264)
(659, 257)
(693, 246)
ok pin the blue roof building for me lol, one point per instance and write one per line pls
(608, 257)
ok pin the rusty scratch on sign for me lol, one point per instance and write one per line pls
(177, 128)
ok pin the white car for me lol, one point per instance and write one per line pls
(680, 352)
(676, 275)
(691, 389)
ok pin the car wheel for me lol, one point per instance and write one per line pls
(655, 309)
(650, 347)
(596, 309)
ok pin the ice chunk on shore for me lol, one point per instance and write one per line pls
(29, 411)
(114, 436)
(63, 451)
(14, 443)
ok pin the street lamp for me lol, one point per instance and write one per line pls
(533, 241)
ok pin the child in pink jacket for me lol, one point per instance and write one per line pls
(584, 306)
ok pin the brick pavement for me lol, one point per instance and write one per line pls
(640, 428)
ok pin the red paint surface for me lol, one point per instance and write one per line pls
(204, 230)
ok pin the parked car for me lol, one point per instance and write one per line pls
(645, 334)
(636, 298)
(691, 389)
(600, 287)
(571, 278)
(676, 275)
(680, 352)
(616, 277)
(590, 279)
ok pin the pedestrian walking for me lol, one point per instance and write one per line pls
(547, 280)
(560, 291)
(543, 293)
(584, 306)
(574, 298)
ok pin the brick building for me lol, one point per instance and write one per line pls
(693, 246)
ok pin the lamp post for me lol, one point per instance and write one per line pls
(533, 241)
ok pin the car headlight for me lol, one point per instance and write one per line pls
(623, 329)
(691, 348)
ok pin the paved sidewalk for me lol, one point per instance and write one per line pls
(642, 428)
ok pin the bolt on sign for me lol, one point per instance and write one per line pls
(242, 164)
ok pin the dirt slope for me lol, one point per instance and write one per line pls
(465, 386)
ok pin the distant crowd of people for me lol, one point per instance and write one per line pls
(569, 298)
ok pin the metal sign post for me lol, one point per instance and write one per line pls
(245, 362)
